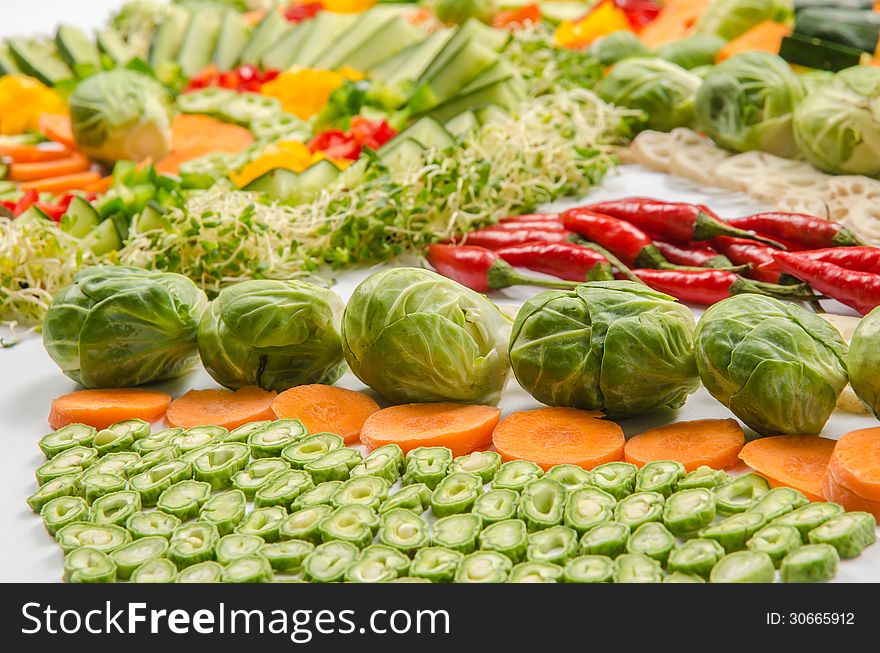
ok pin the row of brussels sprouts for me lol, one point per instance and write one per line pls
(414, 336)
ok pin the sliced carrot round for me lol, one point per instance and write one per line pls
(102, 407)
(833, 490)
(797, 461)
(712, 442)
(226, 408)
(553, 436)
(326, 408)
(459, 427)
(856, 462)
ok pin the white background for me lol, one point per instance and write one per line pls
(29, 380)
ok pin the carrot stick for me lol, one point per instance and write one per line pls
(797, 461)
(326, 408)
(63, 183)
(856, 462)
(74, 163)
(461, 428)
(711, 442)
(101, 186)
(101, 408)
(26, 153)
(833, 490)
(221, 407)
(56, 127)
(552, 436)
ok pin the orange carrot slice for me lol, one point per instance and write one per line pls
(194, 135)
(711, 442)
(326, 408)
(217, 407)
(26, 153)
(797, 461)
(552, 436)
(56, 127)
(101, 408)
(856, 462)
(766, 36)
(461, 428)
(833, 490)
(74, 163)
(63, 183)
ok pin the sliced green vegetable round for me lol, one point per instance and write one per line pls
(60, 512)
(554, 545)
(352, 523)
(88, 565)
(743, 567)
(776, 540)
(606, 539)
(652, 539)
(132, 555)
(248, 569)
(696, 556)
(617, 479)
(586, 507)
(402, 530)
(237, 545)
(588, 569)
(201, 572)
(220, 463)
(639, 508)
(733, 532)
(156, 440)
(241, 433)
(542, 504)
(74, 460)
(535, 572)
(111, 440)
(509, 537)
(94, 485)
(335, 465)
(117, 464)
(369, 571)
(329, 561)
(104, 537)
(495, 506)
(484, 464)
(741, 493)
(571, 477)
(197, 437)
(703, 477)
(516, 474)
(138, 428)
(67, 437)
(483, 567)
(457, 532)
(427, 465)
(115, 508)
(302, 452)
(60, 486)
(263, 522)
(389, 556)
(779, 501)
(225, 510)
(157, 570)
(151, 459)
(304, 524)
(637, 568)
(321, 494)
(153, 523)
(287, 555)
(456, 494)
(660, 476)
(415, 498)
(184, 499)
(385, 462)
(368, 491)
(811, 563)
(270, 440)
(193, 543)
(809, 517)
(153, 482)
(436, 563)
(283, 488)
(687, 511)
(683, 577)
(849, 533)
(257, 474)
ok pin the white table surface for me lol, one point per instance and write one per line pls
(29, 380)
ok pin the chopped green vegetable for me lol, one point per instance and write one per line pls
(652, 539)
(778, 501)
(94, 485)
(304, 524)
(743, 567)
(480, 463)
(150, 459)
(335, 465)
(516, 474)
(606, 539)
(509, 537)
(74, 460)
(225, 510)
(435, 563)
(60, 486)
(305, 450)
(237, 545)
(415, 498)
(352, 523)
(703, 477)
(150, 524)
(193, 543)
(589, 569)
(455, 494)
(427, 465)
(370, 570)
(402, 530)
(809, 517)
(219, 464)
(390, 557)
(587, 507)
(201, 572)
(571, 477)
(682, 577)
(67, 437)
(849, 533)
(457, 532)
(88, 565)
(283, 488)
(688, 511)
(157, 440)
(185, 499)
(777, 541)
(617, 479)
(61, 511)
(637, 568)
(660, 476)
(639, 508)
(811, 563)
(329, 561)
(542, 504)
(320, 495)
(248, 569)
(287, 555)
(115, 508)
(741, 493)
(243, 432)
(496, 505)
(535, 572)
(104, 537)
(153, 482)
(271, 440)
(157, 570)
(554, 545)
(115, 463)
(257, 474)
(134, 554)
(696, 556)
(264, 522)
(483, 567)
(385, 462)
(368, 491)
(733, 532)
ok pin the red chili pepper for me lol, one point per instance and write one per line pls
(699, 256)
(706, 287)
(563, 260)
(26, 201)
(297, 13)
(336, 145)
(544, 225)
(495, 237)
(805, 231)
(482, 269)
(861, 259)
(745, 252)
(854, 288)
(370, 133)
(677, 221)
(532, 217)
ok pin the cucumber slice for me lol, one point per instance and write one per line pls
(233, 37)
(556, 12)
(279, 184)
(166, 42)
(506, 94)
(110, 42)
(428, 132)
(265, 34)
(402, 154)
(76, 48)
(386, 41)
(471, 30)
(199, 43)
(411, 62)
(463, 124)
(461, 67)
(7, 63)
(339, 46)
(280, 54)
(102, 239)
(326, 28)
(315, 179)
(80, 219)
(38, 60)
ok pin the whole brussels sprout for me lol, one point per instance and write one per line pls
(117, 326)
(864, 361)
(663, 91)
(732, 18)
(778, 367)
(746, 103)
(120, 114)
(692, 51)
(617, 46)
(413, 335)
(837, 126)
(616, 346)
(274, 334)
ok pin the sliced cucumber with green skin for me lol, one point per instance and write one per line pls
(7, 62)
(411, 62)
(741, 493)
(94, 485)
(811, 563)
(849, 533)
(535, 572)
(262, 37)
(193, 543)
(743, 567)
(110, 42)
(283, 488)
(199, 42)
(404, 531)
(166, 42)
(314, 180)
(147, 461)
(115, 507)
(496, 505)
(233, 36)
(779, 501)
(682, 577)
(363, 29)
(74, 460)
(402, 154)
(151, 483)
(516, 474)
(205, 100)
(509, 538)
(542, 504)
(436, 563)
(733, 532)
(483, 567)
(456, 494)
(416, 498)
(304, 524)
(263, 522)
(270, 441)
(703, 477)
(554, 545)
(156, 440)
(60, 512)
(287, 555)
(104, 537)
(587, 507)
(352, 523)
(326, 28)
(281, 127)
(245, 108)
(88, 565)
(607, 539)
(809, 517)
(76, 49)
(237, 545)
(368, 491)
(637, 568)
(334, 466)
(588, 569)
(152, 524)
(440, 85)
(696, 556)
(320, 495)
(653, 539)
(278, 184)
(617, 479)
(503, 96)
(463, 124)
(225, 510)
(67, 437)
(257, 474)
(60, 486)
(80, 219)
(457, 532)
(219, 463)
(279, 55)
(102, 239)
(158, 570)
(185, 499)
(38, 60)
(385, 462)
(329, 561)
(134, 554)
(660, 476)
(249, 569)
(777, 541)
(687, 511)
(389, 39)
(305, 450)
(201, 572)
(428, 132)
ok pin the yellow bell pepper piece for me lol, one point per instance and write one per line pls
(292, 155)
(23, 100)
(305, 92)
(604, 19)
(347, 6)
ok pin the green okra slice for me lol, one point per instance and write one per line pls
(269, 441)
(201, 572)
(302, 452)
(115, 463)
(369, 571)
(132, 555)
(304, 524)
(104, 537)
(157, 570)
(197, 437)
(241, 433)
(236, 545)
(70, 461)
(542, 504)
(389, 556)
(733, 532)
(194, 454)
(151, 459)
(61, 486)
(287, 555)
(495, 506)
(220, 462)
(639, 508)
(153, 482)
(88, 565)
(456, 494)
(93, 485)
(554, 545)
(335, 465)
(509, 538)
(535, 572)
(779, 501)
(225, 510)
(617, 479)
(248, 569)
(320, 495)
(636, 568)
(329, 561)
(263, 522)
(696, 556)
(117, 437)
(483, 567)
(776, 540)
(586, 507)
(184, 499)
(849, 533)
(385, 462)
(150, 524)
(457, 532)
(703, 477)
(571, 477)
(115, 508)
(809, 517)
(138, 428)
(353, 523)
(409, 579)
(255, 475)
(484, 464)
(653, 539)
(415, 498)
(687, 511)
(607, 539)
(660, 476)
(811, 563)
(741, 493)
(683, 577)
(156, 440)
(61, 511)
(193, 543)
(436, 563)
(588, 569)
(369, 491)
(743, 567)
(402, 530)
(67, 437)
(283, 488)
(516, 474)
(427, 465)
